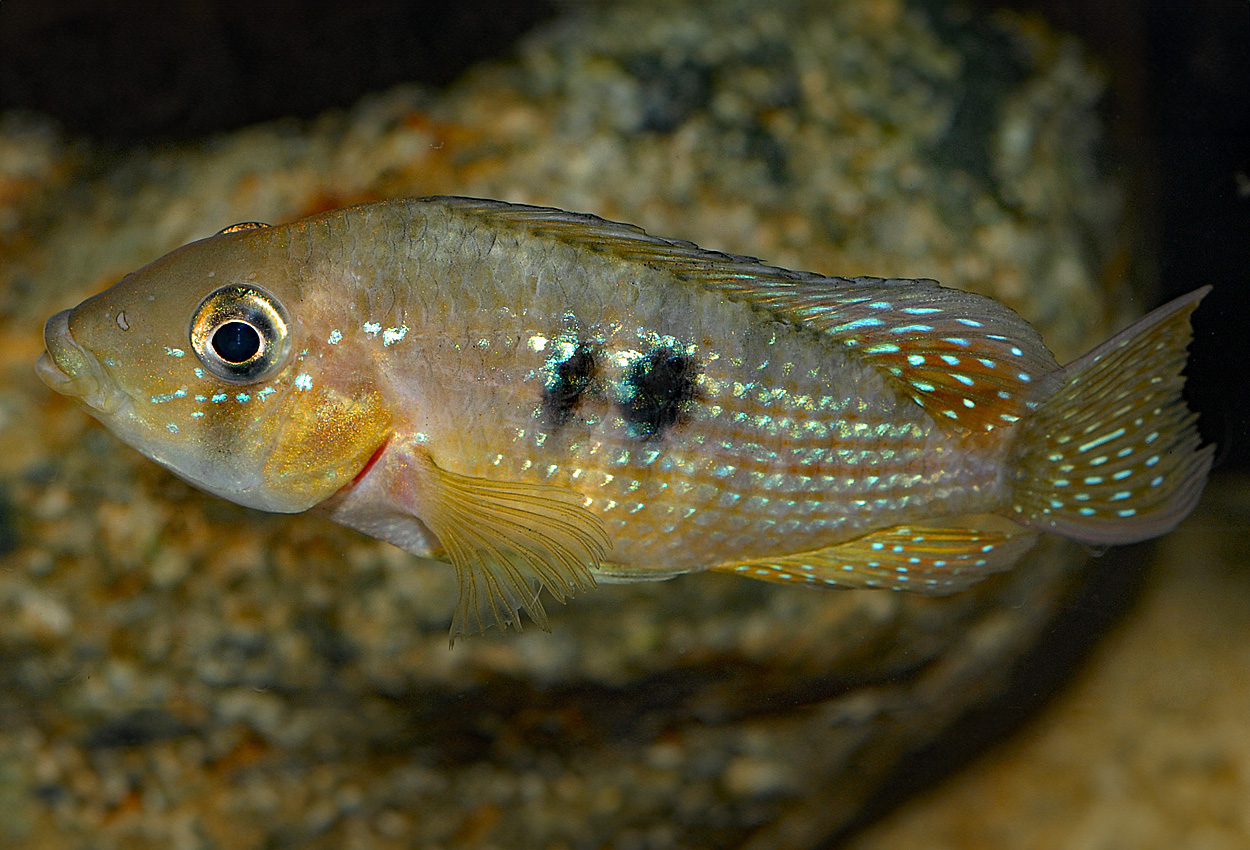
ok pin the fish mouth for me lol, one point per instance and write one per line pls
(71, 370)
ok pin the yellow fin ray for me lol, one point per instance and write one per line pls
(931, 560)
(508, 541)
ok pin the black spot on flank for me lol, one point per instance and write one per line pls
(569, 381)
(661, 387)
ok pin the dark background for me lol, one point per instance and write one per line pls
(1179, 110)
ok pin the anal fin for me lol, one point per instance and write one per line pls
(508, 541)
(932, 560)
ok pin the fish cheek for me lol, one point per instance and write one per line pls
(327, 440)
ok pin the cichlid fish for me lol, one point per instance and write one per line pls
(544, 399)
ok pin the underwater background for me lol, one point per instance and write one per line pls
(177, 672)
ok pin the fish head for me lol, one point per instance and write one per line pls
(214, 362)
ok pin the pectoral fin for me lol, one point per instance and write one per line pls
(508, 541)
(931, 560)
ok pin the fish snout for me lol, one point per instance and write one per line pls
(71, 370)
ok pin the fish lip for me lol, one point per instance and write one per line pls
(71, 370)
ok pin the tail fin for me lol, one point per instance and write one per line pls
(1111, 456)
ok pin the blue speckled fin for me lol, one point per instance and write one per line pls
(507, 542)
(971, 362)
(933, 560)
(1112, 455)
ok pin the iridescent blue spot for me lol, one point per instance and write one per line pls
(857, 325)
(1092, 444)
(164, 397)
(390, 336)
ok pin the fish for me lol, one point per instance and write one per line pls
(547, 400)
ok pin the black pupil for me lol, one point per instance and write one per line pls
(236, 342)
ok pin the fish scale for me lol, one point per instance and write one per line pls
(873, 472)
(544, 399)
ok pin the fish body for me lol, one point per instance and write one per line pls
(543, 398)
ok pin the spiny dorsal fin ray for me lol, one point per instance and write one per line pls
(933, 560)
(1112, 455)
(968, 360)
(508, 541)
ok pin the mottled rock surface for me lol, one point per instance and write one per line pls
(178, 672)
(1149, 747)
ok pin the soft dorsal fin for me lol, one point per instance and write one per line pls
(968, 360)
(971, 362)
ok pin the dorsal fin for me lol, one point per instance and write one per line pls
(971, 362)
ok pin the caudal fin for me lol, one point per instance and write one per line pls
(1111, 456)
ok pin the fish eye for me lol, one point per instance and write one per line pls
(240, 334)
(236, 342)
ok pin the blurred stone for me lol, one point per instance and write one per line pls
(1149, 749)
